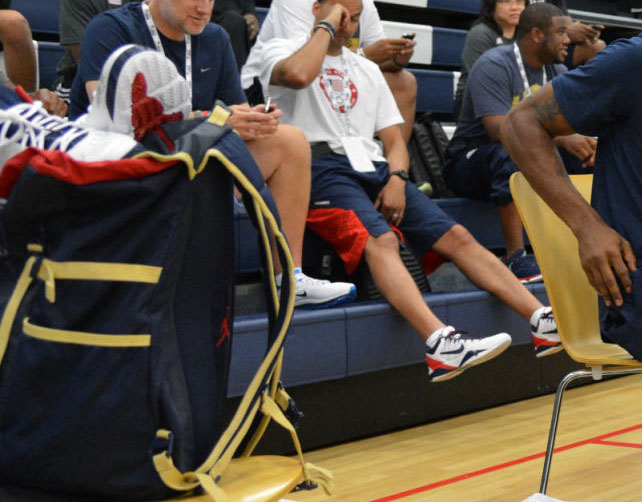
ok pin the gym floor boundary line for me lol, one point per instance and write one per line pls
(438, 484)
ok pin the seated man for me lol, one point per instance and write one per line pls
(600, 99)
(359, 195)
(293, 18)
(585, 39)
(201, 52)
(477, 164)
(19, 57)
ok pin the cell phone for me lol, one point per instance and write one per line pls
(267, 105)
(408, 36)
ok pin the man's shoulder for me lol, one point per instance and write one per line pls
(127, 14)
(502, 54)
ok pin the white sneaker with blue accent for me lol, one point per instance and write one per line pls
(317, 294)
(450, 352)
(26, 125)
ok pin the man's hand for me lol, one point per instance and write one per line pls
(606, 256)
(252, 25)
(254, 123)
(386, 49)
(391, 201)
(580, 33)
(583, 147)
(336, 13)
(51, 102)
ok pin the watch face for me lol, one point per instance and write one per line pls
(402, 174)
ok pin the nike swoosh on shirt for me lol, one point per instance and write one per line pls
(203, 70)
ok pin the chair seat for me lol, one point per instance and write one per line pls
(594, 353)
(256, 479)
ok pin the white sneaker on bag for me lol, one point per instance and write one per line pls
(139, 89)
(26, 125)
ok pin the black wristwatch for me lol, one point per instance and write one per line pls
(401, 173)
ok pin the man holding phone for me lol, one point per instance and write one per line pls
(293, 18)
(202, 54)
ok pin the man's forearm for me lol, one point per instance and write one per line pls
(531, 147)
(301, 68)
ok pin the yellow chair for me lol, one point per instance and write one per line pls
(573, 299)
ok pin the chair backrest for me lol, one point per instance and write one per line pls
(573, 299)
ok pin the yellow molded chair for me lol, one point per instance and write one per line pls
(573, 299)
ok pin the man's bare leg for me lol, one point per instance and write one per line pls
(404, 88)
(284, 161)
(511, 227)
(397, 286)
(485, 270)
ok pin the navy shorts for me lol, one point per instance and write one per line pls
(480, 173)
(483, 173)
(342, 210)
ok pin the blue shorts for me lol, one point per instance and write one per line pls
(342, 210)
(480, 173)
(483, 173)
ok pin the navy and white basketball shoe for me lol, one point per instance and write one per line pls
(318, 294)
(24, 125)
(450, 352)
(544, 331)
(139, 90)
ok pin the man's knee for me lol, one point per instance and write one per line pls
(14, 28)
(455, 240)
(385, 243)
(402, 84)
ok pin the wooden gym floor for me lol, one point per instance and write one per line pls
(496, 455)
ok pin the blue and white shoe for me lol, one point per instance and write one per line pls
(450, 352)
(317, 294)
(24, 125)
(139, 89)
(524, 266)
(544, 331)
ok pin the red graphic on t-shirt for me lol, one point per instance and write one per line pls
(338, 89)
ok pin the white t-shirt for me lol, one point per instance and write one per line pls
(319, 109)
(294, 19)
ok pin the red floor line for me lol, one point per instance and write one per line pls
(511, 463)
(619, 443)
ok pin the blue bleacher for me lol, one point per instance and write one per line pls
(49, 53)
(42, 15)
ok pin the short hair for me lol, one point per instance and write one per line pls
(538, 15)
(487, 14)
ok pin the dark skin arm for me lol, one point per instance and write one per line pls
(605, 255)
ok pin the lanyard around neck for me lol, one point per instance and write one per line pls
(522, 71)
(151, 26)
(343, 108)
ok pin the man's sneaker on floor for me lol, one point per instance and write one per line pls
(524, 266)
(544, 331)
(449, 352)
(24, 125)
(314, 293)
(139, 89)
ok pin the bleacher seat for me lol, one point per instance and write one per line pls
(364, 337)
(41, 14)
(436, 90)
(435, 46)
(467, 6)
(49, 53)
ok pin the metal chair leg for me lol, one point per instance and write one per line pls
(576, 375)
